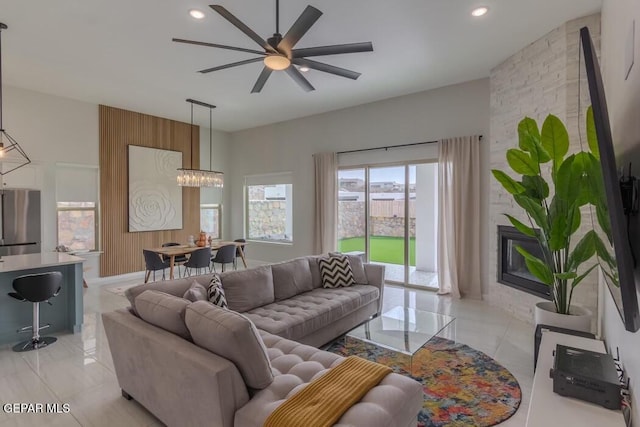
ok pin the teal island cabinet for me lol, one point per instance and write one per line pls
(66, 310)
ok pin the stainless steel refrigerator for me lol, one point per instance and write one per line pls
(19, 222)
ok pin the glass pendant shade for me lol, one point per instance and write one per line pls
(200, 177)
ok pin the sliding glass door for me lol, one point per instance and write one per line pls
(389, 214)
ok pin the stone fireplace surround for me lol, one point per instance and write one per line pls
(540, 79)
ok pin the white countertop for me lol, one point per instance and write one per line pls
(30, 261)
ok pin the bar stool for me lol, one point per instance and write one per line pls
(36, 288)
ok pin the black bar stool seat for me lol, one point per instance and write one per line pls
(36, 288)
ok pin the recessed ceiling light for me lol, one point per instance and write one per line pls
(304, 68)
(479, 11)
(195, 13)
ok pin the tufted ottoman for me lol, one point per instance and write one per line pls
(394, 402)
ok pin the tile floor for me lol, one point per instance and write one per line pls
(78, 369)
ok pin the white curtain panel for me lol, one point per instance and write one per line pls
(459, 217)
(326, 208)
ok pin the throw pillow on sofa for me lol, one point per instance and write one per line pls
(232, 336)
(357, 267)
(336, 272)
(164, 311)
(196, 292)
(215, 293)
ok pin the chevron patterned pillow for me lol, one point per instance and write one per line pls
(336, 272)
(215, 293)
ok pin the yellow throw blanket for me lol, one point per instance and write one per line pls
(327, 398)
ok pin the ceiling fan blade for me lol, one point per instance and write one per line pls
(242, 27)
(221, 46)
(321, 66)
(299, 28)
(335, 49)
(262, 79)
(299, 78)
(233, 64)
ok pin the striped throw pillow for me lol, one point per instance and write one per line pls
(215, 293)
(336, 272)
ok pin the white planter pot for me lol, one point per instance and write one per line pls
(578, 320)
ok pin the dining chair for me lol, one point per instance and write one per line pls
(199, 259)
(225, 255)
(178, 260)
(235, 260)
(153, 263)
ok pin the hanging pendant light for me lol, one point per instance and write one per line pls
(10, 150)
(200, 177)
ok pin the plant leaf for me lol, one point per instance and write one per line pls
(581, 170)
(522, 162)
(565, 188)
(584, 250)
(534, 209)
(578, 279)
(529, 140)
(566, 276)
(524, 229)
(536, 266)
(536, 187)
(509, 184)
(554, 137)
(558, 236)
(602, 214)
(592, 136)
(603, 252)
(576, 218)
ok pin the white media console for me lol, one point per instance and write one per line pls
(547, 408)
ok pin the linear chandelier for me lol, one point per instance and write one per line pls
(10, 150)
(201, 177)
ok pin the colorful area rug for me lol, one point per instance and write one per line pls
(462, 386)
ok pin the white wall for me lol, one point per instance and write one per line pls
(623, 99)
(457, 110)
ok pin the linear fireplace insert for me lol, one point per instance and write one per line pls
(512, 270)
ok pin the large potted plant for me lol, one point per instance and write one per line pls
(551, 187)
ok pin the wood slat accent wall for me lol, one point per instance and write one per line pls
(119, 128)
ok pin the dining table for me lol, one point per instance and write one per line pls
(179, 250)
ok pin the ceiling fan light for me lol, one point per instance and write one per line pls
(197, 14)
(480, 11)
(277, 62)
(304, 68)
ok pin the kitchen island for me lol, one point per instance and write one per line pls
(66, 311)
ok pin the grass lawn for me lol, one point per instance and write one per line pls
(383, 249)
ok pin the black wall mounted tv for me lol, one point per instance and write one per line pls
(621, 272)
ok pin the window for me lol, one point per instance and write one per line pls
(269, 208)
(211, 219)
(77, 206)
(77, 225)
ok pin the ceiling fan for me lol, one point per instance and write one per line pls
(279, 53)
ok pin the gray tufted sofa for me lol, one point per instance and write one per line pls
(185, 384)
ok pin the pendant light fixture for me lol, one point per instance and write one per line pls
(200, 177)
(10, 151)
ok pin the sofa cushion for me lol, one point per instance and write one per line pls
(232, 336)
(393, 402)
(164, 311)
(196, 292)
(336, 272)
(175, 287)
(291, 278)
(303, 314)
(215, 293)
(314, 267)
(248, 289)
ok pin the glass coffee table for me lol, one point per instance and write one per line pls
(404, 330)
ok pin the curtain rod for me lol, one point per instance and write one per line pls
(391, 146)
